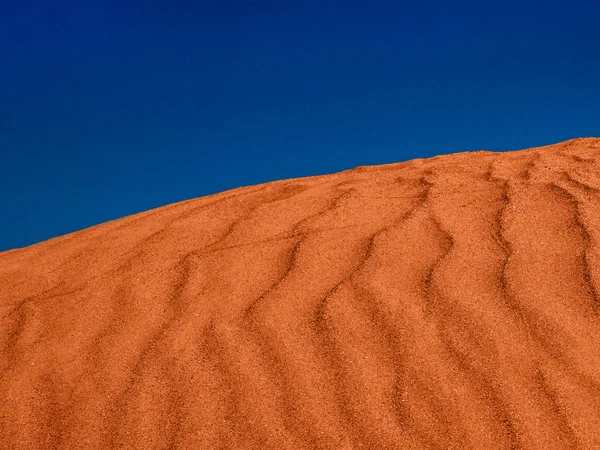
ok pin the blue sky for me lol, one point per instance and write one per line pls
(110, 108)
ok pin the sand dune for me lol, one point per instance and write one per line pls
(442, 303)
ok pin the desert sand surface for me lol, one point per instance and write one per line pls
(441, 303)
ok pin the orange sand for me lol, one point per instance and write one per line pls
(441, 303)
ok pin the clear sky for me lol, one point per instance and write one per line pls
(108, 108)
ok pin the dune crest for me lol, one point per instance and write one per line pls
(443, 303)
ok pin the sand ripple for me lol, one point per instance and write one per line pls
(442, 303)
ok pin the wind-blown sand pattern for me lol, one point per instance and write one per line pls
(442, 303)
